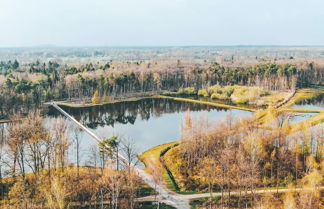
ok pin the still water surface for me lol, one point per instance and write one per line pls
(316, 103)
(147, 122)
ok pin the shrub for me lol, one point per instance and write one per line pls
(187, 91)
(219, 96)
(238, 94)
(203, 92)
(214, 89)
(95, 99)
(229, 92)
(242, 101)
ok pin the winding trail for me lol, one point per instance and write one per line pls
(164, 195)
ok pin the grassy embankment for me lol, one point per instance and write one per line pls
(153, 156)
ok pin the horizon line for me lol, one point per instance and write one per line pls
(162, 46)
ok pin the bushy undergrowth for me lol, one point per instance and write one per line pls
(187, 91)
(239, 94)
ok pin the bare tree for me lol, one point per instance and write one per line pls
(77, 142)
(129, 150)
(60, 142)
(157, 175)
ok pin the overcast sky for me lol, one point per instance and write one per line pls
(161, 22)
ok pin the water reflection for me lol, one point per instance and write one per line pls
(129, 112)
(149, 122)
(315, 103)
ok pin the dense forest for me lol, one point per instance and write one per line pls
(26, 86)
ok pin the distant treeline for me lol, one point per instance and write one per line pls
(27, 86)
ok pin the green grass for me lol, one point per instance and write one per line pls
(153, 155)
(145, 190)
(170, 181)
(194, 204)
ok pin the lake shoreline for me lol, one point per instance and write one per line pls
(286, 107)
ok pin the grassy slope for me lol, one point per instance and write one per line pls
(153, 155)
(171, 164)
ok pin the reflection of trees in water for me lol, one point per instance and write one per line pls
(128, 112)
(318, 101)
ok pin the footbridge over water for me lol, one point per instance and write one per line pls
(178, 201)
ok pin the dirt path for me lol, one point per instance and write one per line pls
(291, 95)
(166, 196)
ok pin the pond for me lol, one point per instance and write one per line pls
(315, 103)
(299, 117)
(147, 122)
